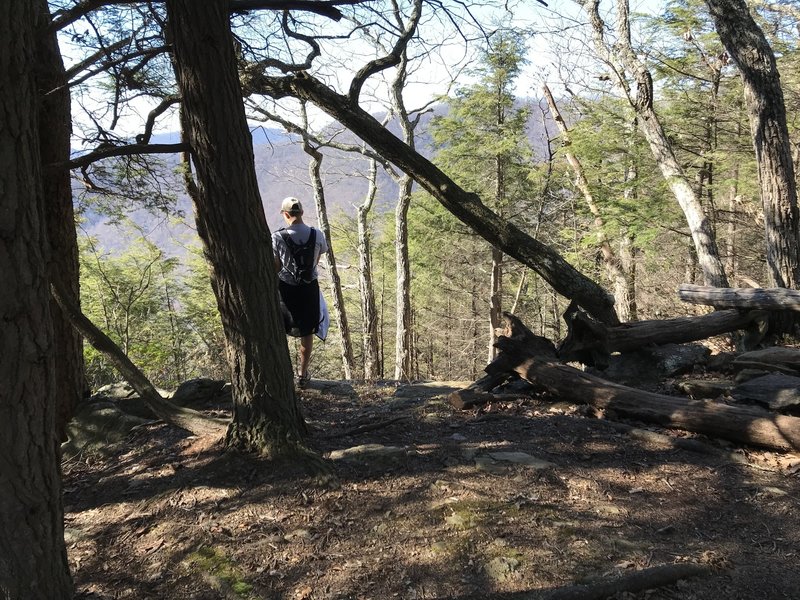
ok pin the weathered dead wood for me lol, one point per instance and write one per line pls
(591, 342)
(370, 427)
(749, 298)
(470, 398)
(185, 418)
(743, 424)
(532, 360)
(629, 583)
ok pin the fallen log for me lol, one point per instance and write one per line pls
(185, 418)
(742, 424)
(590, 342)
(750, 298)
(470, 398)
(628, 583)
(631, 583)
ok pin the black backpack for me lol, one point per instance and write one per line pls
(302, 263)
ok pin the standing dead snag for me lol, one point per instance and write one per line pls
(530, 357)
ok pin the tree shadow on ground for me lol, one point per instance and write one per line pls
(432, 521)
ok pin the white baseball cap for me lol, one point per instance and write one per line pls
(292, 206)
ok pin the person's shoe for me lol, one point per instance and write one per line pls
(302, 381)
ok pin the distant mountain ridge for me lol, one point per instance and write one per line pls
(282, 169)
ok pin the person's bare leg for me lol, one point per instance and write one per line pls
(306, 345)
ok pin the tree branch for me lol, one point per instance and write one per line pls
(127, 150)
(390, 60)
(326, 8)
(190, 420)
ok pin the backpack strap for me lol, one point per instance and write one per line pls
(293, 246)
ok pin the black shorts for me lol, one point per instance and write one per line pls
(300, 307)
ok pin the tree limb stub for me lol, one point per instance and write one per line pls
(184, 418)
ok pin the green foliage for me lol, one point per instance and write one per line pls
(159, 314)
(609, 147)
(482, 144)
(143, 181)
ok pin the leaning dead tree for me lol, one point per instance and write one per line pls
(536, 360)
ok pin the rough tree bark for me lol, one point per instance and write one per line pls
(232, 226)
(55, 122)
(747, 45)
(33, 558)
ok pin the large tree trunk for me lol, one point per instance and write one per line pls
(748, 46)
(33, 558)
(55, 122)
(466, 206)
(231, 223)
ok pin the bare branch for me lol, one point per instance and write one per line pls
(310, 138)
(390, 60)
(112, 151)
(159, 110)
(64, 18)
(326, 9)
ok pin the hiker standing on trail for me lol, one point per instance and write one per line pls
(297, 248)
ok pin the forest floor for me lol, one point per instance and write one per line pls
(517, 500)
